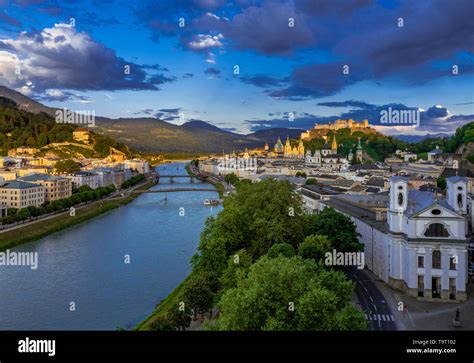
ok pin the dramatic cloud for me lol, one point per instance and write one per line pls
(262, 80)
(57, 95)
(435, 119)
(63, 58)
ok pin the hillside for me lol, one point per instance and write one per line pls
(39, 130)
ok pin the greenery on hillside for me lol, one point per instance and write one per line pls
(263, 245)
(22, 128)
(379, 146)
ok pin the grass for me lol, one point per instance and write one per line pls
(44, 228)
(220, 189)
(163, 308)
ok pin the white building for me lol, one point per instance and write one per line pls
(141, 166)
(85, 178)
(413, 240)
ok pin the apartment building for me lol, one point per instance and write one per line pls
(55, 187)
(20, 194)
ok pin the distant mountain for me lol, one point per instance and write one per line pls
(271, 135)
(418, 138)
(25, 103)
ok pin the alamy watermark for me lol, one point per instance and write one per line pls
(400, 117)
(78, 117)
(335, 258)
(237, 163)
(12, 258)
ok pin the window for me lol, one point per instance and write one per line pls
(452, 262)
(421, 261)
(436, 230)
(436, 259)
(400, 199)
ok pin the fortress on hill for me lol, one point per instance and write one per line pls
(321, 130)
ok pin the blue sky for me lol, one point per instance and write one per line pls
(74, 54)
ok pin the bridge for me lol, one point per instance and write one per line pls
(172, 177)
(171, 190)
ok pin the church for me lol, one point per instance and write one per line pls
(327, 157)
(415, 241)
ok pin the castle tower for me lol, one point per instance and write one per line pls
(334, 145)
(398, 203)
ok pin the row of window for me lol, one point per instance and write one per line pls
(436, 261)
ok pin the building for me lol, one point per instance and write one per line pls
(55, 187)
(327, 157)
(141, 166)
(7, 175)
(19, 194)
(82, 135)
(296, 152)
(23, 150)
(415, 241)
(85, 178)
(353, 126)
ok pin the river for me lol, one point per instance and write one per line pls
(85, 265)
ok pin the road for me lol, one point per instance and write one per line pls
(376, 310)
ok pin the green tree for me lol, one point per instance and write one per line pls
(284, 249)
(237, 268)
(314, 247)
(441, 182)
(340, 230)
(197, 295)
(257, 216)
(289, 294)
(161, 323)
(67, 167)
(180, 318)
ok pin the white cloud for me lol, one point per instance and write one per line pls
(206, 41)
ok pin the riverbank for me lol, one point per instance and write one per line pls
(41, 229)
(164, 307)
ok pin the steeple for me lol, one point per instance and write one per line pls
(334, 145)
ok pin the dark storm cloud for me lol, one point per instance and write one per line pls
(77, 62)
(318, 80)
(262, 80)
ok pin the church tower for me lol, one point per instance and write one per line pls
(359, 152)
(301, 148)
(334, 145)
(398, 203)
(456, 193)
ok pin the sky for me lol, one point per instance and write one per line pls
(246, 65)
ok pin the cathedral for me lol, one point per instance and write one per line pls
(296, 152)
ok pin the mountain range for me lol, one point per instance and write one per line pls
(153, 135)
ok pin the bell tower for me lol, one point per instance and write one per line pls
(398, 203)
(456, 193)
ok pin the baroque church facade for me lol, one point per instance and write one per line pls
(327, 157)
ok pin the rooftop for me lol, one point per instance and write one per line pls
(18, 184)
